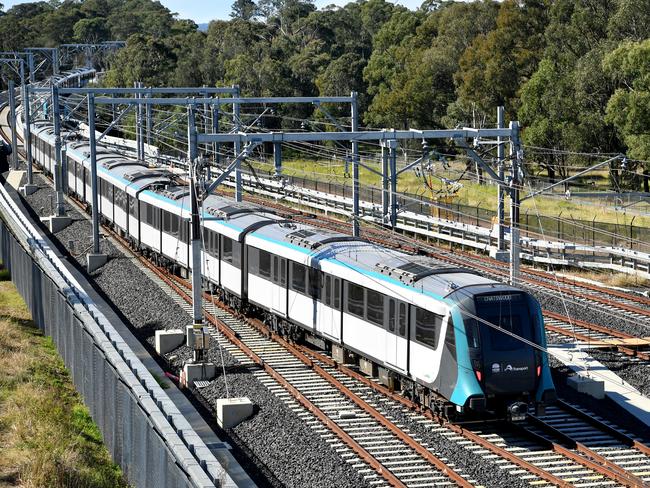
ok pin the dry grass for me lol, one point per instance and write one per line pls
(622, 280)
(471, 194)
(47, 437)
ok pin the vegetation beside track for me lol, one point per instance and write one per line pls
(47, 437)
(470, 194)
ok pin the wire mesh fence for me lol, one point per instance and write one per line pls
(562, 227)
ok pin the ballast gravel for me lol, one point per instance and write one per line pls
(589, 313)
(635, 372)
(470, 464)
(276, 436)
(293, 453)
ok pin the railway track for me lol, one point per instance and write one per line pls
(383, 453)
(597, 439)
(544, 462)
(367, 440)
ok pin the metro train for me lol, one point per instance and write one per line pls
(441, 335)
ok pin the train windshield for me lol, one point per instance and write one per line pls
(510, 314)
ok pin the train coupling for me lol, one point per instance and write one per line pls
(517, 411)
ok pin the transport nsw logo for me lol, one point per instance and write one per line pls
(496, 368)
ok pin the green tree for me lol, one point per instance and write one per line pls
(144, 59)
(91, 30)
(629, 107)
(244, 9)
(496, 64)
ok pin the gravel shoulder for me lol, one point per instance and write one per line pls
(276, 437)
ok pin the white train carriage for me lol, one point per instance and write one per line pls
(371, 300)
(226, 224)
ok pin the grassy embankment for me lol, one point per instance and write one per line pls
(47, 437)
(472, 194)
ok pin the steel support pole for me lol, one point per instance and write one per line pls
(277, 159)
(385, 176)
(149, 121)
(58, 173)
(501, 246)
(206, 118)
(515, 243)
(12, 118)
(55, 61)
(215, 130)
(27, 134)
(93, 172)
(30, 63)
(354, 116)
(142, 124)
(195, 235)
(392, 162)
(237, 122)
(138, 123)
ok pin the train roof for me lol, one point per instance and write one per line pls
(299, 241)
(417, 272)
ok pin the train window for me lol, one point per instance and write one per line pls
(471, 330)
(328, 290)
(253, 260)
(276, 269)
(315, 283)
(355, 300)
(156, 217)
(391, 315)
(133, 205)
(337, 294)
(283, 271)
(298, 278)
(166, 222)
(402, 319)
(226, 250)
(427, 327)
(236, 253)
(265, 264)
(184, 231)
(213, 241)
(504, 342)
(375, 309)
(175, 224)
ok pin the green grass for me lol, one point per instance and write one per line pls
(47, 436)
(472, 194)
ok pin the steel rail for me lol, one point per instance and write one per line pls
(296, 352)
(459, 429)
(599, 463)
(606, 468)
(233, 337)
(639, 446)
(612, 291)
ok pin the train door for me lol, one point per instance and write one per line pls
(397, 334)
(279, 288)
(391, 333)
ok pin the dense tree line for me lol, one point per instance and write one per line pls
(576, 73)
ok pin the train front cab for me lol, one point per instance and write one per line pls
(512, 373)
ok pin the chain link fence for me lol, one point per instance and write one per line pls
(563, 227)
